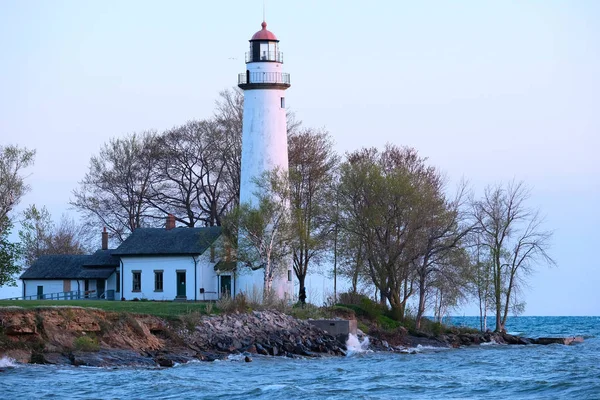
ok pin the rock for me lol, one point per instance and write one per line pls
(19, 355)
(163, 362)
(247, 359)
(56, 359)
(261, 350)
(110, 358)
(511, 339)
(564, 341)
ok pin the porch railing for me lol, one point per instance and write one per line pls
(72, 295)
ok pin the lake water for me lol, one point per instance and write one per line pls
(489, 371)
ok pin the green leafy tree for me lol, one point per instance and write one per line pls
(312, 167)
(9, 255)
(13, 160)
(40, 236)
(36, 227)
(383, 197)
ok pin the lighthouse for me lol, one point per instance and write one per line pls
(264, 134)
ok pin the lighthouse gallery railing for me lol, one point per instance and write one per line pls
(263, 77)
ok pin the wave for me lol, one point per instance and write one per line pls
(7, 362)
(354, 345)
(420, 348)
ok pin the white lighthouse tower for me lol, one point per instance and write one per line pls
(264, 134)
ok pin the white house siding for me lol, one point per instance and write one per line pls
(205, 277)
(251, 283)
(50, 286)
(111, 284)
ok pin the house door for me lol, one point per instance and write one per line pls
(225, 285)
(40, 292)
(180, 283)
(100, 287)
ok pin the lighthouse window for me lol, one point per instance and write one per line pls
(264, 51)
(283, 102)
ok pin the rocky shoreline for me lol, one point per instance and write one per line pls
(77, 336)
(91, 337)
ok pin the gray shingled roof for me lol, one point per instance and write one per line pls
(177, 241)
(102, 258)
(65, 267)
(95, 273)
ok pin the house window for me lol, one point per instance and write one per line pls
(289, 275)
(137, 281)
(158, 281)
(118, 285)
(283, 102)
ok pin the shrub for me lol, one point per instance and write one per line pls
(309, 311)
(363, 327)
(436, 328)
(191, 320)
(343, 311)
(351, 298)
(227, 304)
(387, 323)
(86, 343)
(372, 310)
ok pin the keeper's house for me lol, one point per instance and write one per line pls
(152, 263)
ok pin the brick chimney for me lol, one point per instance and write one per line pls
(170, 221)
(104, 239)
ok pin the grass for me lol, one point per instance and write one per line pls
(160, 309)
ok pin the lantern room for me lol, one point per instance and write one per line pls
(264, 46)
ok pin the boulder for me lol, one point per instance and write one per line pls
(564, 341)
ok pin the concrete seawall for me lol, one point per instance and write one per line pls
(339, 328)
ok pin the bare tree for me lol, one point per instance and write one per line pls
(113, 192)
(229, 117)
(514, 236)
(179, 172)
(70, 237)
(312, 164)
(13, 160)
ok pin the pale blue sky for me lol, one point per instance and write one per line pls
(488, 90)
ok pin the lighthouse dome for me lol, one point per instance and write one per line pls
(264, 34)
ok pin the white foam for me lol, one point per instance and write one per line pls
(421, 348)
(491, 343)
(7, 362)
(236, 357)
(354, 345)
